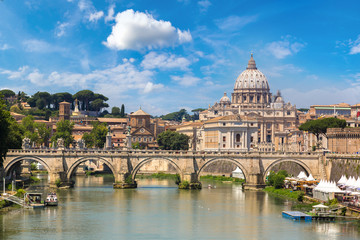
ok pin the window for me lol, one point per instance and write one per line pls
(150, 139)
(251, 98)
(238, 137)
(145, 139)
(134, 139)
(223, 145)
(139, 139)
(224, 124)
(224, 139)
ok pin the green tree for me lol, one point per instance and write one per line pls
(279, 181)
(60, 97)
(122, 111)
(43, 133)
(137, 145)
(97, 136)
(196, 113)
(177, 116)
(10, 132)
(85, 96)
(29, 126)
(170, 140)
(115, 111)
(320, 126)
(40, 100)
(7, 93)
(98, 104)
(63, 130)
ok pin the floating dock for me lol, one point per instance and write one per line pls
(295, 215)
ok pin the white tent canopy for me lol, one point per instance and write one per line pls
(302, 175)
(310, 178)
(237, 170)
(342, 180)
(320, 206)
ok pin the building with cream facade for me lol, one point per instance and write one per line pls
(252, 99)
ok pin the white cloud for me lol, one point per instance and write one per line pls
(234, 22)
(122, 78)
(138, 30)
(35, 45)
(355, 46)
(4, 47)
(15, 74)
(286, 47)
(110, 16)
(325, 95)
(186, 80)
(204, 5)
(280, 70)
(150, 87)
(95, 16)
(164, 61)
(61, 28)
(37, 78)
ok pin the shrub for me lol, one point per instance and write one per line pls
(20, 193)
(33, 166)
(128, 179)
(279, 181)
(270, 178)
(300, 198)
(343, 211)
(283, 172)
(184, 185)
(58, 182)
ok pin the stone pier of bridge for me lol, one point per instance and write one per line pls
(61, 164)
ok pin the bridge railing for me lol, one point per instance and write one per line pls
(154, 152)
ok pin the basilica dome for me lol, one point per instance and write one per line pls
(225, 99)
(251, 78)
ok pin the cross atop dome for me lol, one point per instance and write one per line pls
(251, 63)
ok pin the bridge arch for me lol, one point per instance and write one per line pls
(149, 159)
(11, 163)
(234, 161)
(87, 158)
(278, 161)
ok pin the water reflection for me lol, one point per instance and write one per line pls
(158, 210)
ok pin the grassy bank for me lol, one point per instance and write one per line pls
(285, 193)
(222, 178)
(158, 176)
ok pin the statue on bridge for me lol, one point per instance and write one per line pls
(60, 143)
(26, 143)
(80, 144)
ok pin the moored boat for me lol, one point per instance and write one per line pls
(51, 200)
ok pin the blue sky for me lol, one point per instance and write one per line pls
(167, 55)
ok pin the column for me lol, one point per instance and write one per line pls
(273, 132)
(261, 132)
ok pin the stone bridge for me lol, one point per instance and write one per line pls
(124, 165)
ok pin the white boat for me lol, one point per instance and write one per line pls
(51, 200)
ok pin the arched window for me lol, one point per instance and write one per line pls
(238, 137)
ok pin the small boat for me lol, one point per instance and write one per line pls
(51, 200)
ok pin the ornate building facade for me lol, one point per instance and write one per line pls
(252, 98)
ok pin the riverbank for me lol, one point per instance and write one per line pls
(222, 179)
(285, 193)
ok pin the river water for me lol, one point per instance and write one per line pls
(158, 210)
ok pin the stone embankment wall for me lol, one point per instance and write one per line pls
(344, 166)
(292, 168)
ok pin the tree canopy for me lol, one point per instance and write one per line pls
(7, 93)
(10, 132)
(177, 116)
(320, 126)
(97, 136)
(64, 130)
(170, 140)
